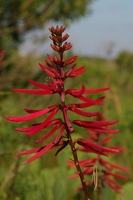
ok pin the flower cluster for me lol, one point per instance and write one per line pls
(105, 171)
(56, 67)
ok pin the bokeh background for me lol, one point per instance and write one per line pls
(101, 33)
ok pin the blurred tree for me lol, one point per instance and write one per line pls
(20, 16)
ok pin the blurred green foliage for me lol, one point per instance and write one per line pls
(125, 66)
(47, 177)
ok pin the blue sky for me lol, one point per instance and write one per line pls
(110, 26)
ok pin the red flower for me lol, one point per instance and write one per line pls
(63, 128)
(57, 79)
(95, 145)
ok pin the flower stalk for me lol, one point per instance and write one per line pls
(63, 128)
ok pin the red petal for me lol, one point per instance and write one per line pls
(83, 113)
(43, 86)
(33, 91)
(48, 72)
(38, 155)
(94, 124)
(52, 69)
(116, 175)
(50, 58)
(78, 72)
(103, 130)
(115, 186)
(70, 60)
(54, 47)
(92, 102)
(70, 71)
(89, 91)
(31, 111)
(105, 140)
(85, 163)
(48, 134)
(88, 144)
(26, 152)
(31, 116)
(36, 129)
(24, 129)
(56, 140)
(65, 37)
(110, 166)
(76, 92)
(54, 121)
(83, 105)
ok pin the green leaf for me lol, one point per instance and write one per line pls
(127, 191)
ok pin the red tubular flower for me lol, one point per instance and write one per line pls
(95, 145)
(63, 128)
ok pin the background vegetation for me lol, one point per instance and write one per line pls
(47, 177)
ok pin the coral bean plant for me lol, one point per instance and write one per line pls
(58, 69)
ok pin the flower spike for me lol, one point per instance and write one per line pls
(61, 131)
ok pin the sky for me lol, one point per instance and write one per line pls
(106, 32)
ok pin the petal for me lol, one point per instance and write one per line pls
(43, 86)
(26, 152)
(24, 129)
(54, 121)
(110, 166)
(51, 74)
(65, 37)
(76, 92)
(31, 111)
(85, 163)
(52, 69)
(107, 139)
(36, 129)
(32, 91)
(50, 58)
(70, 60)
(56, 140)
(115, 186)
(31, 116)
(92, 102)
(104, 130)
(116, 175)
(70, 71)
(81, 112)
(48, 134)
(83, 105)
(78, 72)
(40, 153)
(88, 144)
(89, 91)
(94, 124)
(66, 46)
(54, 47)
